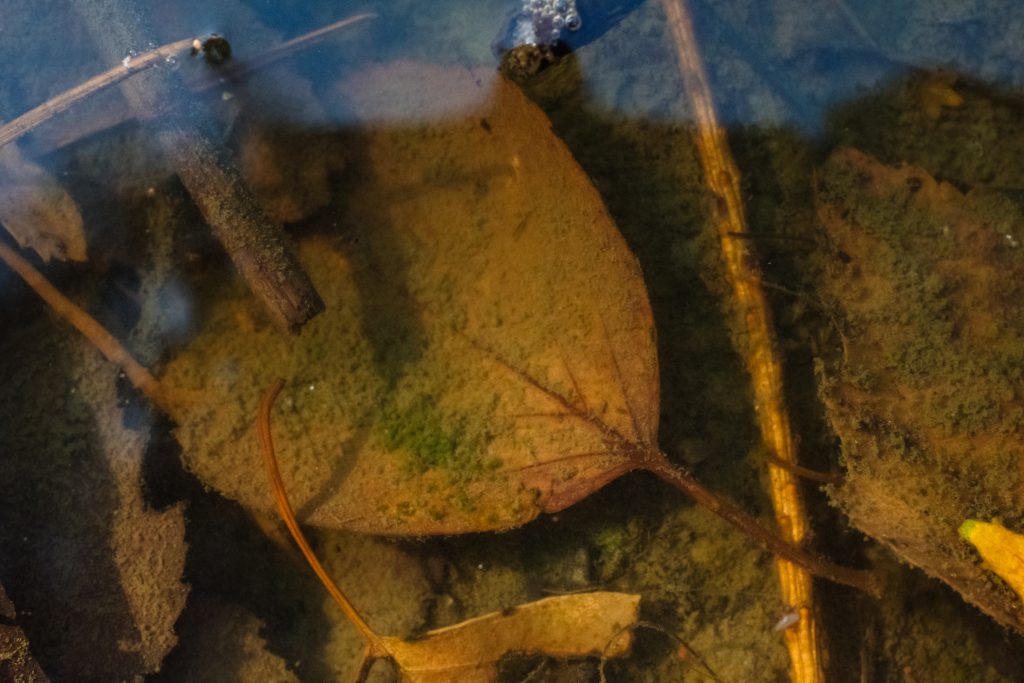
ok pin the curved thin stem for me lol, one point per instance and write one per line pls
(804, 472)
(374, 641)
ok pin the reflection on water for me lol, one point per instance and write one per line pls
(123, 558)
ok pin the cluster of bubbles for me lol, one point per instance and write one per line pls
(541, 22)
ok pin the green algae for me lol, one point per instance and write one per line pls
(418, 430)
(421, 432)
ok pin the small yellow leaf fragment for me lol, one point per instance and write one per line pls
(1002, 550)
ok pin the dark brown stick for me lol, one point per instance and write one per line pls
(260, 251)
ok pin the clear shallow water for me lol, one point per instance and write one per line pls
(791, 83)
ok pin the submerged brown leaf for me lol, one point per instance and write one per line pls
(488, 349)
(488, 352)
(37, 211)
(597, 623)
(927, 283)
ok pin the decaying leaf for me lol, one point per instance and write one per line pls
(487, 336)
(581, 625)
(148, 547)
(37, 211)
(94, 571)
(928, 283)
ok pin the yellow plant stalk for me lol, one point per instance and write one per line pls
(803, 639)
(1001, 549)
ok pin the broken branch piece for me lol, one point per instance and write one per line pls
(259, 249)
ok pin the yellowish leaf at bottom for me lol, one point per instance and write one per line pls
(580, 625)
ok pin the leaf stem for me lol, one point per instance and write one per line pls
(374, 642)
(865, 581)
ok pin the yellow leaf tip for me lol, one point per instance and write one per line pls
(1001, 549)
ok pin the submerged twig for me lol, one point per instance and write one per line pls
(14, 129)
(17, 127)
(105, 342)
(260, 251)
(298, 43)
(723, 177)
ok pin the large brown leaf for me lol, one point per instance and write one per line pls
(927, 284)
(488, 351)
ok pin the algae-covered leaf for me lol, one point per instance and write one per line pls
(927, 401)
(565, 626)
(488, 348)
